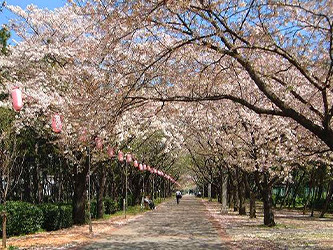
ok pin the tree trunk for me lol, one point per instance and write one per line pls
(26, 184)
(285, 195)
(100, 191)
(268, 202)
(235, 197)
(252, 205)
(328, 199)
(210, 189)
(309, 194)
(241, 192)
(296, 189)
(313, 199)
(252, 195)
(224, 193)
(79, 198)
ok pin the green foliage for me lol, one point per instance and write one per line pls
(110, 206)
(51, 216)
(93, 209)
(4, 36)
(3, 96)
(22, 218)
(7, 117)
(66, 216)
(56, 216)
(319, 204)
(131, 201)
(12, 248)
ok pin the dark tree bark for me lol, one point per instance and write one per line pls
(241, 191)
(310, 188)
(268, 201)
(296, 189)
(328, 199)
(100, 191)
(252, 205)
(26, 184)
(79, 198)
(286, 195)
(235, 197)
(315, 194)
(251, 194)
(234, 190)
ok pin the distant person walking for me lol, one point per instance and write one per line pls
(178, 196)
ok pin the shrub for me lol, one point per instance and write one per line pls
(130, 201)
(51, 214)
(93, 207)
(56, 216)
(110, 206)
(66, 216)
(22, 218)
(93, 210)
(120, 203)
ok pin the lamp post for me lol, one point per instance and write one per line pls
(128, 160)
(153, 188)
(143, 186)
(121, 159)
(89, 198)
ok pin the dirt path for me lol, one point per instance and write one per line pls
(171, 226)
(193, 224)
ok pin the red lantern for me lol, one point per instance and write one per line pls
(99, 143)
(140, 167)
(136, 164)
(144, 167)
(120, 156)
(148, 168)
(128, 158)
(155, 171)
(110, 152)
(17, 99)
(56, 123)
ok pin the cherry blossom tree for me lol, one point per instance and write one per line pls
(64, 66)
(109, 68)
(274, 58)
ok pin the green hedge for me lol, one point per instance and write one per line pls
(93, 209)
(56, 216)
(51, 215)
(66, 212)
(130, 200)
(110, 206)
(22, 218)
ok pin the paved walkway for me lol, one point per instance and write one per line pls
(171, 226)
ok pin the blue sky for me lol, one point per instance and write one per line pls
(50, 4)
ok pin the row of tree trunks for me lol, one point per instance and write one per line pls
(328, 199)
(241, 191)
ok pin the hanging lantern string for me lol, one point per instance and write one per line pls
(142, 166)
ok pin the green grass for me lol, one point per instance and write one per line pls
(132, 210)
(207, 199)
(12, 248)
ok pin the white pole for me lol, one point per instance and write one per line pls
(89, 199)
